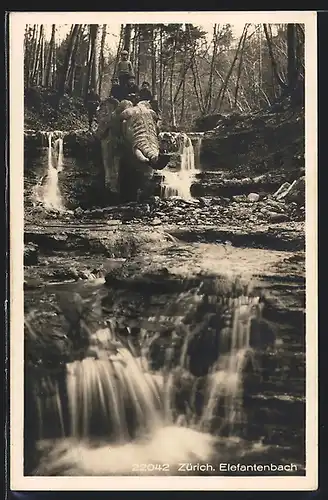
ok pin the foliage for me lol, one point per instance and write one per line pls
(192, 73)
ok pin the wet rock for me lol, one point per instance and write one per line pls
(78, 212)
(239, 198)
(156, 222)
(113, 222)
(31, 254)
(253, 197)
(296, 192)
(278, 206)
(275, 217)
(32, 283)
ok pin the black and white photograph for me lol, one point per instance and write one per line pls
(163, 171)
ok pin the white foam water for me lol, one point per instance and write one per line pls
(115, 395)
(179, 183)
(47, 191)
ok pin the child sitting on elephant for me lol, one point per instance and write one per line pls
(145, 93)
(124, 68)
(116, 90)
(131, 90)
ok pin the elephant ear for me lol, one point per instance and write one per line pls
(126, 114)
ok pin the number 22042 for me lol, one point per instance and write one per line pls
(150, 467)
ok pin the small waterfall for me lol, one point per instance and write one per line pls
(47, 191)
(225, 383)
(113, 396)
(178, 183)
(59, 146)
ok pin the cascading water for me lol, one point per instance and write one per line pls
(178, 183)
(115, 397)
(225, 383)
(47, 191)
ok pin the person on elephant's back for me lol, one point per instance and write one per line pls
(131, 90)
(116, 90)
(145, 92)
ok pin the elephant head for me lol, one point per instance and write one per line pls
(129, 136)
(139, 130)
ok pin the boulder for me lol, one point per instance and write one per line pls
(253, 197)
(296, 192)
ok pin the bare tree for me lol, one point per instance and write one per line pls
(276, 73)
(240, 67)
(220, 97)
(91, 80)
(208, 98)
(292, 60)
(101, 57)
(172, 103)
(72, 67)
(51, 50)
(30, 43)
(153, 61)
(67, 60)
(127, 37)
(37, 57)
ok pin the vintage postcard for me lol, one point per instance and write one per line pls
(163, 245)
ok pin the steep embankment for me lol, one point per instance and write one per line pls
(246, 145)
(42, 113)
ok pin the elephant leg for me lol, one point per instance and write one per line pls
(111, 165)
(105, 156)
(115, 174)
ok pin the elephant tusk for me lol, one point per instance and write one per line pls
(140, 156)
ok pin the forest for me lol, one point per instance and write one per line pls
(193, 74)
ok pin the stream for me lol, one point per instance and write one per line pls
(161, 333)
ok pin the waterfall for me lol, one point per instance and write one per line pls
(179, 183)
(47, 191)
(225, 383)
(59, 145)
(114, 397)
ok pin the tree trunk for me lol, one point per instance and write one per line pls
(291, 52)
(127, 37)
(119, 48)
(86, 69)
(71, 73)
(138, 57)
(153, 63)
(42, 62)
(239, 68)
(272, 58)
(172, 103)
(92, 79)
(101, 57)
(183, 102)
(34, 55)
(28, 56)
(54, 67)
(67, 61)
(161, 67)
(37, 57)
(220, 97)
(208, 99)
(95, 64)
(50, 56)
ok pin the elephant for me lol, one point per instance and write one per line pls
(130, 148)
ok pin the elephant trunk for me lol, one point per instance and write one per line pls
(144, 138)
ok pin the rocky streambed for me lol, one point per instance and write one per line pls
(147, 262)
(168, 266)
